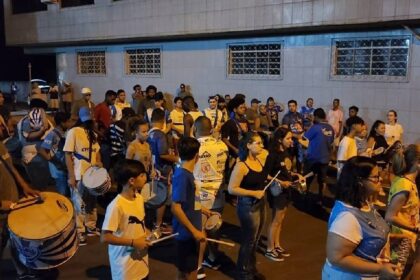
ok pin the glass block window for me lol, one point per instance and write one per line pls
(91, 62)
(383, 59)
(261, 61)
(143, 61)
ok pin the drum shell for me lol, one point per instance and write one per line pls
(99, 189)
(49, 252)
(212, 228)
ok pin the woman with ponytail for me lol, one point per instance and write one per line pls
(247, 182)
(403, 210)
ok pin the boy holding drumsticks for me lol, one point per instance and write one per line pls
(186, 207)
(124, 227)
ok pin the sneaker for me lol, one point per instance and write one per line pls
(211, 264)
(26, 276)
(379, 203)
(82, 239)
(200, 273)
(272, 255)
(282, 251)
(93, 231)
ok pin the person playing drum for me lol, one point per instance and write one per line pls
(208, 175)
(124, 226)
(10, 179)
(82, 151)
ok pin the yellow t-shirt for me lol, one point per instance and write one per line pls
(140, 152)
(410, 211)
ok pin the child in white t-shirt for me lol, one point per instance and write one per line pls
(124, 226)
(348, 147)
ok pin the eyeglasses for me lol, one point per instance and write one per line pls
(374, 179)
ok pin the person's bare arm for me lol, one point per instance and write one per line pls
(238, 173)
(70, 168)
(138, 243)
(230, 146)
(183, 219)
(188, 123)
(394, 207)
(340, 254)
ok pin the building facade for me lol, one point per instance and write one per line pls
(363, 52)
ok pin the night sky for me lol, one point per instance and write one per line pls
(14, 63)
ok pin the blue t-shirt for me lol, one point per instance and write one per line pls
(307, 114)
(320, 136)
(159, 144)
(185, 193)
(52, 143)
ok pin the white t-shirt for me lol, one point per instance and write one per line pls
(209, 170)
(125, 218)
(119, 106)
(346, 150)
(347, 226)
(77, 142)
(393, 133)
(334, 118)
(211, 114)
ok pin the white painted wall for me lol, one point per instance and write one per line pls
(306, 66)
(130, 19)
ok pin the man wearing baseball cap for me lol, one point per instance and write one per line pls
(85, 101)
(252, 115)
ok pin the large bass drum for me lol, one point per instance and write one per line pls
(44, 233)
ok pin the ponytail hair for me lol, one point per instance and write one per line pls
(404, 162)
(243, 144)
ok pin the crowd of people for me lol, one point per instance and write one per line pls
(229, 151)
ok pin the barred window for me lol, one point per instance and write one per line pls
(383, 59)
(261, 61)
(91, 62)
(144, 61)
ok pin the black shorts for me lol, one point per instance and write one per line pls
(280, 201)
(187, 255)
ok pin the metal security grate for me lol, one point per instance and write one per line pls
(384, 59)
(91, 62)
(261, 61)
(143, 62)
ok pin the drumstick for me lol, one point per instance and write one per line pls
(163, 238)
(230, 244)
(271, 181)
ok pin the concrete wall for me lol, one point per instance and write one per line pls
(306, 68)
(130, 19)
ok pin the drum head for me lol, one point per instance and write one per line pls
(95, 177)
(39, 221)
(275, 188)
(213, 222)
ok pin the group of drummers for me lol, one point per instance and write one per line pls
(188, 162)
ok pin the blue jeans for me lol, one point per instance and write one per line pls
(251, 214)
(61, 184)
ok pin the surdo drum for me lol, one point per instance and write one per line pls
(44, 233)
(96, 180)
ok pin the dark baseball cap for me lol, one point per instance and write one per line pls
(254, 100)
